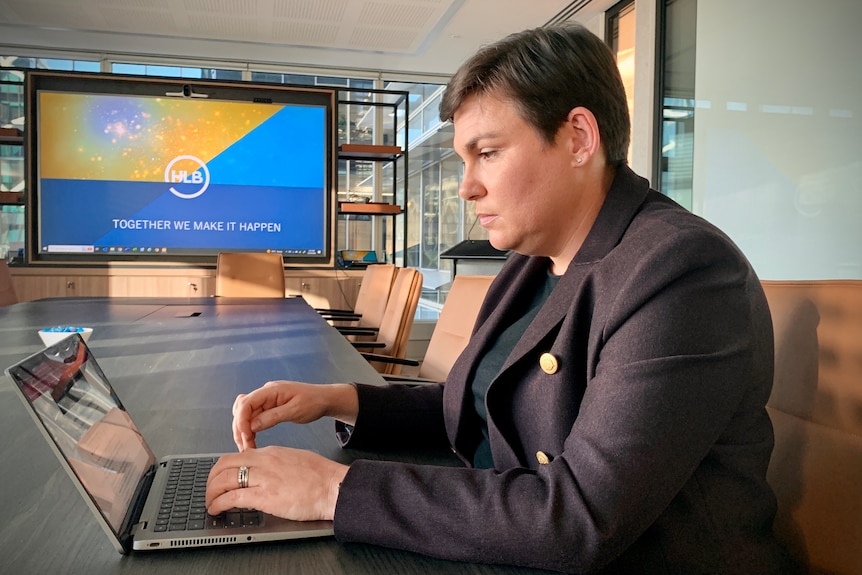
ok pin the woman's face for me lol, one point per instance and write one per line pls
(524, 190)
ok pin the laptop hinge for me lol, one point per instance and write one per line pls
(137, 505)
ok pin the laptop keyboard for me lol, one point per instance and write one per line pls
(183, 506)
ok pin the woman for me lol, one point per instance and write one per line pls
(609, 407)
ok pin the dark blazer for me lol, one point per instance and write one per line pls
(638, 445)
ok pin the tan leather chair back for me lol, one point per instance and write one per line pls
(249, 275)
(7, 288)
(816, 410)
(398, 318)
(454, 326)
(374, 293)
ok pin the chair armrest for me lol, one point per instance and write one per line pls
(332, 310)
(348, 330)
(348, 312)
(389, 359)
(341, 316)
(368, 344)
(408, 379)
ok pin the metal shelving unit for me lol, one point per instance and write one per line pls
(372, 175)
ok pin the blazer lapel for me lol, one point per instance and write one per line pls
(623, 201)
(503, 300)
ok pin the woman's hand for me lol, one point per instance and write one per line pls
(290, 401)
(290, 483)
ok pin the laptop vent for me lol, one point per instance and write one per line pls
(203, 541)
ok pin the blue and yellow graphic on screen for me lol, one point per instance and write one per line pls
(181, 172)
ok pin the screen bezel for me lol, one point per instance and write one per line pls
(113, 84)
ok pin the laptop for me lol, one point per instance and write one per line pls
(356, 258)
(141, 503)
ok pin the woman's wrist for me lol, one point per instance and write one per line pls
(344, 403)
(334, 490)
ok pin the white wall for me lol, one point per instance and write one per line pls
(778, 132)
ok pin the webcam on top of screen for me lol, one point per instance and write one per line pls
(187, 92)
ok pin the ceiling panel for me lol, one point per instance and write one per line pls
(423, 36)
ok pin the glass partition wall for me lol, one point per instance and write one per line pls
(11, 163)
(13, 186)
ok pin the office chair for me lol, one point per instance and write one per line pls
(249, 275)
(816, 412)
(7, 288)
(452, 332)
(390, 340)
(370, 301)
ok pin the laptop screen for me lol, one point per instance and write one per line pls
(79, 411)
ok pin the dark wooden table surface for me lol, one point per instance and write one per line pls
(177, 365)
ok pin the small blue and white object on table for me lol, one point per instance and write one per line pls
(51, 335)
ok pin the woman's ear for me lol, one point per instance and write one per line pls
(586, 141)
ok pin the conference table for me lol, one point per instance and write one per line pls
(177, 365)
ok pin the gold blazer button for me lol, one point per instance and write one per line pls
(543, 458)
(548, 363)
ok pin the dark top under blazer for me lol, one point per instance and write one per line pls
(654, 422)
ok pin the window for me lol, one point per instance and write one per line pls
(175, 71)
(11, 159)
(621, 38)
(674, 174)
(12, 102)
(50, 64)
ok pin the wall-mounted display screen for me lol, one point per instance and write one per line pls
(165, 171)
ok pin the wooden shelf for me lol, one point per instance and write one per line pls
(368, 152)
(11, 136)
(368, 208)
(13, 198)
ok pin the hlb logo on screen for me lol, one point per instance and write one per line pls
(189, 174)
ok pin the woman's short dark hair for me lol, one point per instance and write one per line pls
(546, 72)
